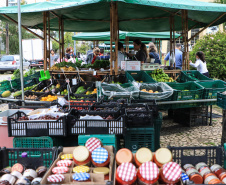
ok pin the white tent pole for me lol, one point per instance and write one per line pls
(20, 49)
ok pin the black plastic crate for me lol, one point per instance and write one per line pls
(138, 115)
(151, 104)
(35, 128)
(31, 104)
(196, 116)
(27, 93)
(42, 85)
(77, 126)
(193, 155)
(35, 157)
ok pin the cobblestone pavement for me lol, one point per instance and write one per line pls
(175, 134)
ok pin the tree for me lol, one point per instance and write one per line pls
(83, 48)
(221, 2)
(68, 42)
(14, 37)
(214, 48)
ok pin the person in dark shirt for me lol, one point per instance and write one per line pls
(67, 55)
(142, 53)
(153, 53)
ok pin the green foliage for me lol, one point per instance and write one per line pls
(68, 64)
(101, 64)
(55, 46)
(214, 48)
(68, 42)
(83, 48)
(14, 37)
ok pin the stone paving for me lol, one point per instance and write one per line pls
(175, 134)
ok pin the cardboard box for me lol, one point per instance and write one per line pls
(130, 65)
(96, 179)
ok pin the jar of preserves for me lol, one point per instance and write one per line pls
(102, 170)
(81, 177)
(41, 171)
(188, 166)
(93, 143)
(194, 175)
(7, 179)
(6, 170)
(212, 180)
(218, 171)
(23, 181)
(148, 173)
(206, 173)
(36, 181)
(224, 180)
(201, 166)
(124, 155)
(126, 174)
(81, 156)
(100, 157)
(143, 155)
(30, 174)
(175, 173)
(18, 167)
(56, 179)
(16, 174)
(66, 156)
(162, 156)
(78, 169)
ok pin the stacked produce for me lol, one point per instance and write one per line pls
(6, 94)
(49, 98)
(82, 164)
(19, 175)
(159, 76)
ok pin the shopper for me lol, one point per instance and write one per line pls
(200, 63)
(67, 55)
(121, 56)
(153, 53)
(142, 53)
(178, 57)
(72, 54)
(92, 57)
(53, 57)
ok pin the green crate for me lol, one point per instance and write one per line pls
(136, 138)
(105, 139)
(187, 91)
(149, 73)
(32, 142)
(221, 100)
(157, 126)
(187, 105)
(211, 88)
(139, 76)
(224, 156)
(193, 75)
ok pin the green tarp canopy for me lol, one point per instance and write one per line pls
(105, 36)
(134, 15)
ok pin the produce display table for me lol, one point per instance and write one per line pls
(80, 72)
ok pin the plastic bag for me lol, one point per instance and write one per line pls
(164, 90)
(121, 91)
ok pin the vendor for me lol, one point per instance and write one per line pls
(200, 63)
(121, 56)
(142, 53)
(92, 57)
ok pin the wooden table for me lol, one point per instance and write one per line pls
(80, 72)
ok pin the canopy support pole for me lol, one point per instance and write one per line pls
(200, 31)
(171, 39)
(185, 63)
(49, 38)
(60, 53)
(36, 27)
(9, 18)
(45, 39)
(114, 36)
(127, 44)
(62, 37)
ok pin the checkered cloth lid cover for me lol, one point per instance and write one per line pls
(172, 171)
(55, 178)
(149, 171)
(100, 155)
(184, 177)
(64, 163)
(67, 156)
(92, 143)
(79, 169)
(59, 170)
(127, 171)
(81, 176)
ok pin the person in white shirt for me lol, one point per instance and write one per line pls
(121, 56)
(200, 63)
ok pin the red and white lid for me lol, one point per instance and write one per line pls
(59, 170)
(64, 163)
(149, 171)
(171, 171)
(92, 143)
(56, 178)
(126, 172)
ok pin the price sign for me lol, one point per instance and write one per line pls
(94, 73)
(74, 81)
